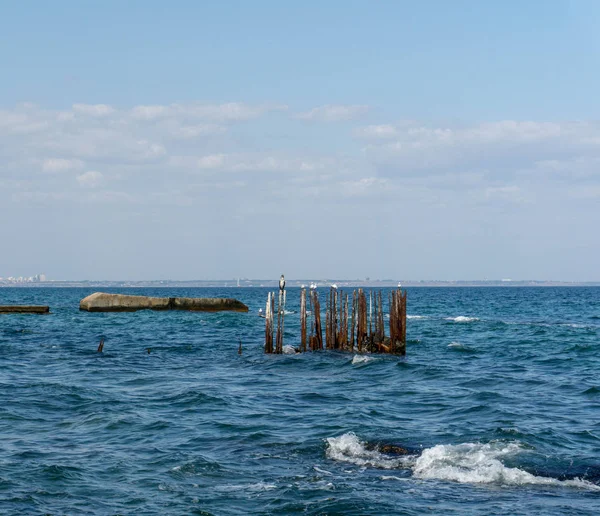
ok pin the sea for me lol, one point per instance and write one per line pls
(497, 404)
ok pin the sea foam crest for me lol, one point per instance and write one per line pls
(462, 319)
(480, 463)
(362, 359)
(348, 448)
(469, 463)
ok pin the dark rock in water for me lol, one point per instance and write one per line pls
(389, 449)
(24, 309)
(103, 302)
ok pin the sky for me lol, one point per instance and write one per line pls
(343, 139)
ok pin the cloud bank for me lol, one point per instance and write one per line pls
(496, 190)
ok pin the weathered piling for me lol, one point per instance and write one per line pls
(280, 322)
(398, 322)
(303, 320)
(362, 329)
(101, 345)
(317, 337)
(269, 324)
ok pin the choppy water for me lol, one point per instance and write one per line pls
(497, 401)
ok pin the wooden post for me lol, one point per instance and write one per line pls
(317, 316)
(303, 320)
(328, 321)
(403, 316)
(269, 325)
(353, 325)
(101, 345)
(280, 323)
(398, 322)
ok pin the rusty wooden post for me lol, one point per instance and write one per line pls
(303, 320)
(381, 322)
(353, 325)
(403, 316)
(370, 315)
(269, 325)
(392, 322)
(328, 321)
(334, 319)
(280, 322)
(362, 328)
(398, 322)
(317, 316)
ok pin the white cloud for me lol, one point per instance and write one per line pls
(492, 146)
(90, 179)
(334, 113)
(95, 110)
(228, 112)
(378, 131)
(61, 165)
(211, 162)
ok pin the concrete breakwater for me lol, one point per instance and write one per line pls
(104, 302)
(24, 309)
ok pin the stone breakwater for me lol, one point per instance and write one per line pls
(24, 309)
(103, 302)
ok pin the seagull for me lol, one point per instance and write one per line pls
(281, 283)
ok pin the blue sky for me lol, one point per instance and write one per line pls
(409, 140)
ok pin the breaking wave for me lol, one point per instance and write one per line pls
(348, 448)
(462, 319)
(469, 463)
(362, 359)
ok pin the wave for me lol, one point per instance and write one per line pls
(348, 448)
(468, 463)
(288, 350)
(417, 317)
(480, 463)
(462, 319)
(362, 359)
(457, 346)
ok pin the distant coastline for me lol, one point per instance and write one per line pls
(322, 284)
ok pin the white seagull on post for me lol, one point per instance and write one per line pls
(281, 283)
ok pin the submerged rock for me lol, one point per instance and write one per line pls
(103, 302)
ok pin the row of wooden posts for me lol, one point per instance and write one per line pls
(350, 324)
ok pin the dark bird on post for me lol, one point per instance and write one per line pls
(281, 283)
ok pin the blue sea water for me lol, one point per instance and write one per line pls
(497, 401)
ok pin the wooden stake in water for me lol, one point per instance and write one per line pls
(280, 322)
(317, 317)
(303, 320)
(269, 324)
(101, 345)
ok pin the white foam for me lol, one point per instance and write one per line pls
(456, 345)
(416, 317)
(479, 463)
(348, 448)
(288, 350)
(462, 319)
(362, 359)
(467, 463)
